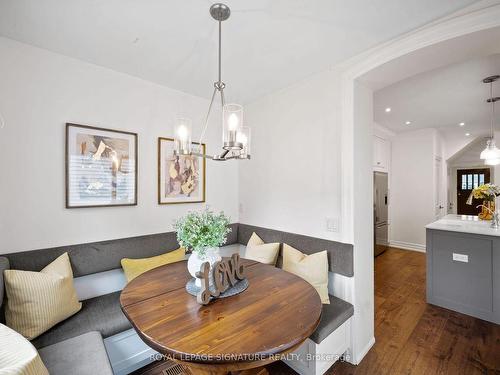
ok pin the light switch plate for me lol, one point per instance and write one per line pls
(332, 224)
(461, 258)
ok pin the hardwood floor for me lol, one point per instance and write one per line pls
(413, 337)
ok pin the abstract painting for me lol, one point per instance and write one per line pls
(181, 178)
(101, 167)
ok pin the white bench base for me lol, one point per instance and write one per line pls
(127, 352)
(315, 359)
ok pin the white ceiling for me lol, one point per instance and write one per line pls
(442, 98)
(268, 44)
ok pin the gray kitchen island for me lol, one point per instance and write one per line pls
(463, 266)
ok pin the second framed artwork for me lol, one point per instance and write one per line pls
(181, 178)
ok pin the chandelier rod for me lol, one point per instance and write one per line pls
(492, 109)
(218, 86)
(220, 51)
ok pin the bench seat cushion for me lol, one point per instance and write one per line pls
(332, 317)
(81, 355)
(102, 314)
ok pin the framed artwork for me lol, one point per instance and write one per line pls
(181, 179)
(101, 167)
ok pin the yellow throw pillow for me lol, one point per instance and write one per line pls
(135, 267)
(36, 301)
(266, 253)
(312, 268)
(18, 356)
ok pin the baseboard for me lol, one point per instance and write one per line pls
(366, 349)
(408, 246)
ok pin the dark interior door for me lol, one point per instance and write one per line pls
(468, 179)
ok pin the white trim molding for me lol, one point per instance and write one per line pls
(408, 246)
(359, 357)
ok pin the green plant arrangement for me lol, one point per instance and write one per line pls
(198, 231)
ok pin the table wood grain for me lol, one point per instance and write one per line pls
(274, 315)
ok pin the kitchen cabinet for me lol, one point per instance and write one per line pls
(463, 267)
(381, 154)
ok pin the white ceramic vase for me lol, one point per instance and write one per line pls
(195, 261)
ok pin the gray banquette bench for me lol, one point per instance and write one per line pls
(100, 330)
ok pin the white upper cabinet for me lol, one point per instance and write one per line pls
(381, 154)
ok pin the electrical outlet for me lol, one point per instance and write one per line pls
(461, 258)
(332, 224)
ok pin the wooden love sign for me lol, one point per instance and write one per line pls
(225, 273)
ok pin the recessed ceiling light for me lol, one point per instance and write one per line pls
(461, 124)
(408, 122)
(467, 134)
(388, 109)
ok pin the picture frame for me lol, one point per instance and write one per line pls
(101, 167)
(181, 179)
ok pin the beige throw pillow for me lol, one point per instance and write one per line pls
(18, 356)
(266, 253)
(312, 268)
(36, 301)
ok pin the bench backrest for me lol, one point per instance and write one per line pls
(340, 255)
(101, 256)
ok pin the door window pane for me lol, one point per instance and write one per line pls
(469, 182)
(476, 181)
(464, 182)
(481, 179)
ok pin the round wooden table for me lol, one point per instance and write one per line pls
(272, 317)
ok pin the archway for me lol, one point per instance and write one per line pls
(357, 142)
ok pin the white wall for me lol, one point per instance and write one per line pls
(412, 186)
(39, 92)
(496, 169)
(292, 182)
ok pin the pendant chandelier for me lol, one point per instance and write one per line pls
(235, 136)
(491, 154)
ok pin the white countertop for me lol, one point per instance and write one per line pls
(464, 224)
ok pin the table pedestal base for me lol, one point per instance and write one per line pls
(247, 368)
(254, 371)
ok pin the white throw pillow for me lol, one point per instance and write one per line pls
(266, 253)
(17, 355)
(313, 268)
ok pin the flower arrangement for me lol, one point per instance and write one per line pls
(487, 192)
(198, 231)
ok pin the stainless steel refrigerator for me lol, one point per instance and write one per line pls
(380, 211)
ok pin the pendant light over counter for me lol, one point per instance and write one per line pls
(235, 136)
(491, 154)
